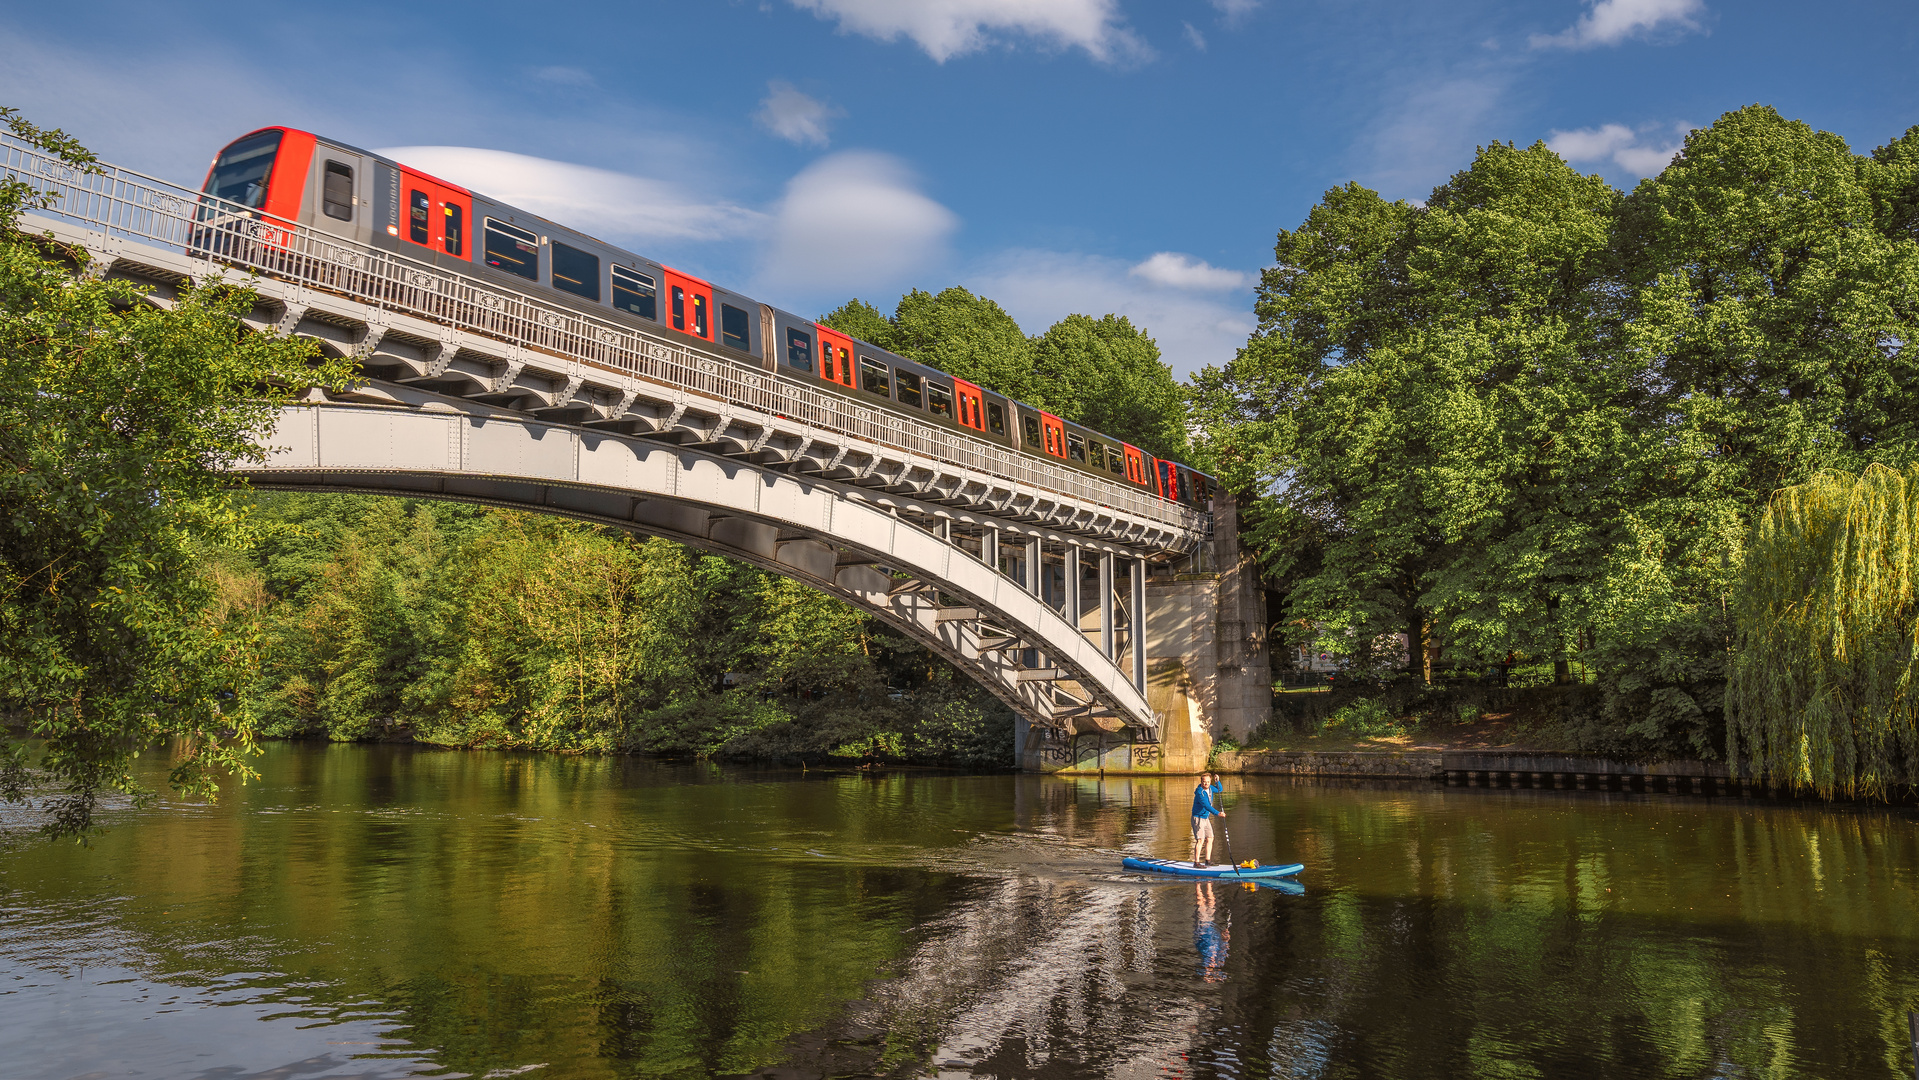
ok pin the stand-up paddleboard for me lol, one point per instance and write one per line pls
(1215, 870)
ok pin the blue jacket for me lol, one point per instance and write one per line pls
(1203, 805)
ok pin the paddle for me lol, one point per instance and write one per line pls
(1228, 834)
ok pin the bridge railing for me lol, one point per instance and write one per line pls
(123, 203)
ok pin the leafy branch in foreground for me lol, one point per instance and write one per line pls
(118, 423)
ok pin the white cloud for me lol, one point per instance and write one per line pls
(1194, 37)
(1431, 133)
(1637, 153)
(949, 28)
(564, 76)
(1613, 21)
(851, 223)
(1235, 10)
(599, 202)
(1178, 271)
(794, 116)
(1039, 288)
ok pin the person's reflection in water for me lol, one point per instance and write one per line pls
(1212, 933)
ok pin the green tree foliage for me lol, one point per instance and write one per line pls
(1827, 609)
(1107, 374)
(117, 419)
(445, 624)
(1532, 419)
(1104, 373)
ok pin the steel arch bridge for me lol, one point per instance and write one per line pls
(1031, 579)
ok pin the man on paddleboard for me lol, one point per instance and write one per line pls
(1205, 809)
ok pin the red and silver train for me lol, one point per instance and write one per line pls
(299, 177)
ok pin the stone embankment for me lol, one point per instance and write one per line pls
(1494, 768)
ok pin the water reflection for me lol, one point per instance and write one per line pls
(1212, 932)
(369, 911)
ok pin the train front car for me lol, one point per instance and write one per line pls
(257, 180)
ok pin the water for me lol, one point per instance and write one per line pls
(384, 911)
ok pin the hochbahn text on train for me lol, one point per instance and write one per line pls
(297, 177)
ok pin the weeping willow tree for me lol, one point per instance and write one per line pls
(1821, 692)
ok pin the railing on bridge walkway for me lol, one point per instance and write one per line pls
(121, 204)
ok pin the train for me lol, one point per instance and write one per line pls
(296, 176)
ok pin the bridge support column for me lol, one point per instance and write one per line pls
(1196, 644)
(989, 548)
(1071, 610)
(1136, 624)
(1107, 640)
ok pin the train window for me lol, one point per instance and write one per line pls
(576, 271)
(996, 417)
(419, 215)
(244, 170)
(733, 328)
(939, 400)
(873, 376)
(336, 191)
(679, 308)
(1075, 447)
(1032, 430)
(455, 235)
(841, 373)
(1116, 461)
(513, 250)
(909, 388)
(1095, 455)
(799, 349)
(634, 294)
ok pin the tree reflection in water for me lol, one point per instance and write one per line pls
(614, 918)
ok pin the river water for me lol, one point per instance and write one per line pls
(376, 911)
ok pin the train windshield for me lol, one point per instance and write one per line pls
(243, 170)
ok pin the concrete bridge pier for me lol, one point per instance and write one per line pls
(1207, 669)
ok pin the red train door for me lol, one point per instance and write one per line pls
(1054, 432)
(1168, 481)
(435, 214)
(689, 304)
(972, 411)
(836, 357)
(1135, 465)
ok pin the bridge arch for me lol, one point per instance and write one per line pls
(868, 551)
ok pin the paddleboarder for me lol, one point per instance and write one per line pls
(1205, 809)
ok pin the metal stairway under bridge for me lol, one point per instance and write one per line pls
(1029, 578)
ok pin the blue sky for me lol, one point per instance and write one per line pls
(1056, 155)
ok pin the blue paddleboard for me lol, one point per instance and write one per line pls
(1216, 870)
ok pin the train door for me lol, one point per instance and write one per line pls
(341, 185)
(1169, 481)
(836, 357)
(434, 215)
(971, 405)
(689, 304)
(1053, 432)
(1136, 466)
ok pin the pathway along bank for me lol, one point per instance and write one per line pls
(1509, 769)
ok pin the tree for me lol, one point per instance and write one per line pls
(1107, 375)
(1822, 688)
(961, 334)
(1535, 417)
(118, 421)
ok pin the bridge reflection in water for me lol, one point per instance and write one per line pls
(612, 918)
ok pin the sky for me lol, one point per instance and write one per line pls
(1059, 156)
